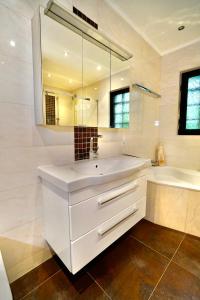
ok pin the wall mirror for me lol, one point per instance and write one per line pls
(61, 72)
(82, 84)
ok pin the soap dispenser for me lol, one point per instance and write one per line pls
(160, 155)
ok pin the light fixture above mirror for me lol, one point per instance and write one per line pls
(96, 37)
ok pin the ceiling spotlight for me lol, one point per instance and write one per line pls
(181, 27)
(49, 75)
(12, 43)
(99, 68)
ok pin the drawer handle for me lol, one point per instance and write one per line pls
(104, 230)
(119, 192)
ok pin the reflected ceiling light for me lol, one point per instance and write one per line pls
(181, 27)
(2, 62)
(95, 88)
(156, 123)
(49, 75)
(70, 80)
(98, 68)
(66, 53)
(122, 79)
(12, 43)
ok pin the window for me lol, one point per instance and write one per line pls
(119, 108)
(189, 122)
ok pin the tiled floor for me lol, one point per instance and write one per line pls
(149, 262)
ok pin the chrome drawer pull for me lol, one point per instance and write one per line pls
(115, 194)
(104, 230)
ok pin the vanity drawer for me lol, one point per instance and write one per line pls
(90, 213)
(87, 247)
(78, 196)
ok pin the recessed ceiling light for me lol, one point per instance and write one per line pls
(49, 75)
(98, 68)
(157, 123)
(181, 27)
(12, 43)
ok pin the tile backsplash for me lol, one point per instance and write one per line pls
(82, 139)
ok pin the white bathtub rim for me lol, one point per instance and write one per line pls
(177, 183)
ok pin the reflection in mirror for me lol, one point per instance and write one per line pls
(61, 72)
(119, 108)
(82, 83)
(120, 94)
(96, 85)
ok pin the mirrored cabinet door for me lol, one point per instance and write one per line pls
(61, 73)
(120, 94)
(96, 85)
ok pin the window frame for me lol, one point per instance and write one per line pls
(185, 76)
(113, 93)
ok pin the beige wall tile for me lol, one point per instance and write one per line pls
(193, 219)
(21, 247)
(181, 151)
(167, 206)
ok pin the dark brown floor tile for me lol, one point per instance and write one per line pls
(159, 238)
(29, 281)
(188, 255)
(177, 284)
(63, 286)
(128, 270)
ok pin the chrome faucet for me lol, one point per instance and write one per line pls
(91, 147)
(94, 153)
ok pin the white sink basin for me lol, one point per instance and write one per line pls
(91, 172)
(103, 167)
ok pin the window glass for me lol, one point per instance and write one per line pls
(189, 121)
(193, 103)
(119, 108)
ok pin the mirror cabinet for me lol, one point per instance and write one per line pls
(77, 82)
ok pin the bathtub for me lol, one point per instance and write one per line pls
(173, 198)
(178, 177)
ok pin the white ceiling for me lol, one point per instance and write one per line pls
(157, 21)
